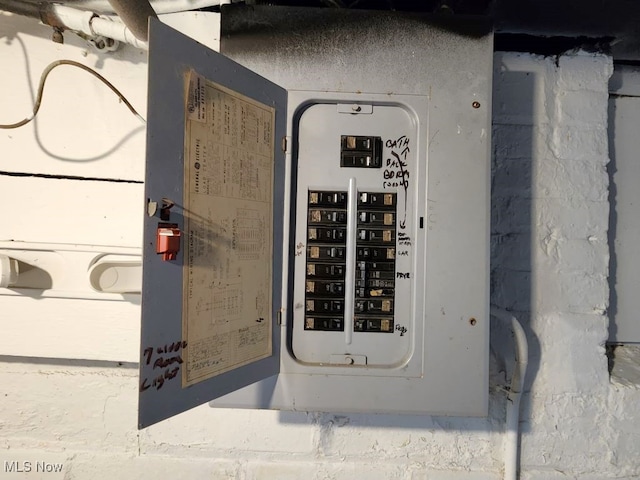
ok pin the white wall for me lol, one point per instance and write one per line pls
(549, 264)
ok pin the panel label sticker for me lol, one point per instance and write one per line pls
(228, 204)
(196, 94)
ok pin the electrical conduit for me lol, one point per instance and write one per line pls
(515, 391)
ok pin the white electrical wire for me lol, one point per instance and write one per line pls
(511, 445)
(43, 79)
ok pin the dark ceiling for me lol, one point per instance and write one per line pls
(539, 26)
(543, 26)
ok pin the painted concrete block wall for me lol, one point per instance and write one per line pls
(549, 265)
(550, 260)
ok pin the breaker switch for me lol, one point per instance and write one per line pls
(376, 236)
(328, 216)
(324, 306)
(352, 142)
(376, 218)
(325, 288)
(360, 151)
(375, 253)
(380, 324)
(325, 270)
(329, 235)
(360, 160)
(324, 323)
(168, 241)
(326, 253)
(377, 200)
(382, 305)
(328, 199)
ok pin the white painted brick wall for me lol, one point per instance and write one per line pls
(549, 264)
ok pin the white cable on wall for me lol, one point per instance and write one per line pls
(511, 444)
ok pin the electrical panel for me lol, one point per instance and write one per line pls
(319, 247)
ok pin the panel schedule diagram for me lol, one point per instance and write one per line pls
(228, 202)
(317, 238)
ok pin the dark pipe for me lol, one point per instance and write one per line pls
(21, 8)
(135, 15)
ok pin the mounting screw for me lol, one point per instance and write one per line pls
(356, 108)
(475, 104)
(472, 321)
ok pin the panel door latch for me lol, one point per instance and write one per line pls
(168, 241)
(348, 359)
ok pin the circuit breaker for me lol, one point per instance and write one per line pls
(317, 239)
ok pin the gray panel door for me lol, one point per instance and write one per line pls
(227, 238)
(624, 224)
